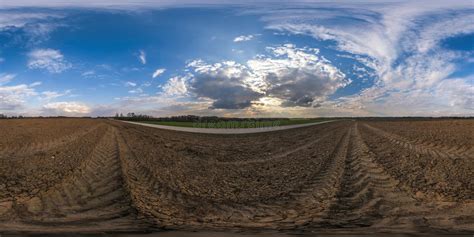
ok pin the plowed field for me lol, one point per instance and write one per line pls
(84, 175)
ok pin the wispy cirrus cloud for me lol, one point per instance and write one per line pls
(130, 84)
(50, 95)
(6, 78)
(142, 56)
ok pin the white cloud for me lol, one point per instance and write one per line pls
(158, 72)
(6, 78)
(49, 59)
(89, 73)
(66, 108)
(142, 56)
(297, 76)
(20, 19)
(35, 26)
(14, 97)
(136, 91)
(119, 4)
(176, 86)
(36, 83)
(49, 95)
(449, 97)
(242, 38)
(130, 84)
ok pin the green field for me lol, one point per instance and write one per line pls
(238, 124)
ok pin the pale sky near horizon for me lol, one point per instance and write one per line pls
(254, 59)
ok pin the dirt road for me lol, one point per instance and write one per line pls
(228, 130)
(338, 177)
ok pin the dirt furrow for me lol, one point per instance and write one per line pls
(93, 195)
(43, 146)
(312, 203)
(433, 150)
(368, 194)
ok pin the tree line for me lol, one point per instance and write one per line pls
(186, 118)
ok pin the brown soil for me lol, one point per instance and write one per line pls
(84, 175)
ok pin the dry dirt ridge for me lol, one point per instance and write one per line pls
(341, 177)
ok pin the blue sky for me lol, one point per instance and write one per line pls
(261, 59)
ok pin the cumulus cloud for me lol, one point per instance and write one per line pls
(224, 83)
(243, 38)
(66, 108)
(292, 76)
(49, 59)
(158, 72)
(142, 56)
(176, 86)
(297, 76)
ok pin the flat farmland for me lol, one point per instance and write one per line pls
(348, 176)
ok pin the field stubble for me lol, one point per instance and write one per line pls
(80, 175)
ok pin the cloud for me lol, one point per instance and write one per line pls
(297, 76)
(36, 83)
(13, 98)
(130, 84)
(19, 19)
(89, 73)
(49, 95)
(399, 41)
(158, 72)
(136, 91)
(120, 4)
(243, 38)
(450, 97)
(28, 27)
(224, 83)
(6, 78)
(49, 59)
(66, 108)
(142, 56)
(176, 86)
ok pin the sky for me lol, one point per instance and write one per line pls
(252, 59)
